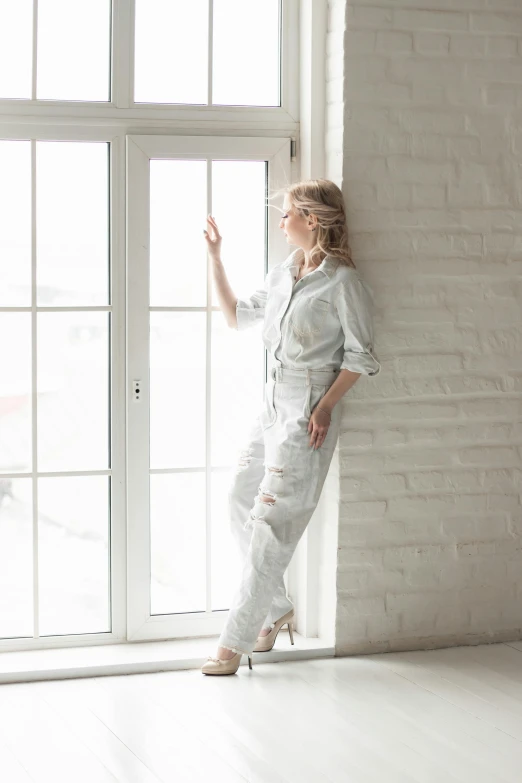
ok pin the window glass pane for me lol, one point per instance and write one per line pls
(73, 555)
(16, 558)
(226, 556)
(178, 380)
(15, 223)
(15, 393)
(246, 53)
(177, 390)
(238, 198)
(72, 223)
(16, 44)
(73, 391)
(171, 56)
(74, 50)
(238, 205)
(178, 249)
(177, 515)
(237, 384)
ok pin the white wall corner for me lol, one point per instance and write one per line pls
(312, 580)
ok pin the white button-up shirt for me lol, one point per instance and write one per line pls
(321, 322)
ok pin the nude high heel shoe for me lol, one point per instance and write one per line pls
(220, 666)
(265, 643)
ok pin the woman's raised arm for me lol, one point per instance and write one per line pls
(226, 297)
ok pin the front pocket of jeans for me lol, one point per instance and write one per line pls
(314, 395)
(269, 411)
(309, 316)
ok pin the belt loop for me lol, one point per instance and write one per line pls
(308, 378)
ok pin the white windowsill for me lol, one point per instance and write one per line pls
(142, 657)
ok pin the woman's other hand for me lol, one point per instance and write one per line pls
(318, 425)
(213, 238)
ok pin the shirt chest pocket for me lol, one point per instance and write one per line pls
(309, 315)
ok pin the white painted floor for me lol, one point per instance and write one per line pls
(439, 716)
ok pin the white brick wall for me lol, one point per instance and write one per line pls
(429, 550)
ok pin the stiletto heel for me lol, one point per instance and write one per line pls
(291, 631)
(266, 643)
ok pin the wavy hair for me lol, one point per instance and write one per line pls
(324, 199)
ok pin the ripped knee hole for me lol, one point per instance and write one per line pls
(265, 495)
(245, 457)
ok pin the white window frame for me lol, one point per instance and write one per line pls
(300, 119)
(122, 108)
(140, 150)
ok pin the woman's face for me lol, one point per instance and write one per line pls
(298, 229)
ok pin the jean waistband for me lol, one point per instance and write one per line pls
(306, 377)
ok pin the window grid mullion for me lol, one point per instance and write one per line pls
(208, 412)
(34, 63)
(34, 395)
(210, 50)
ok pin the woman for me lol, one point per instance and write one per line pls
(317, 327)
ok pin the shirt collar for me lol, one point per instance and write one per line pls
(328, 265)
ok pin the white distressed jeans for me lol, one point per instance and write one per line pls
(279, 464)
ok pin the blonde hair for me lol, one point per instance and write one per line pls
(325, 200)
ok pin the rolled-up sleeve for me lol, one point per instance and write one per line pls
(354, 306)
(251, 311)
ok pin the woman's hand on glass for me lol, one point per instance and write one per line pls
(213, 238)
